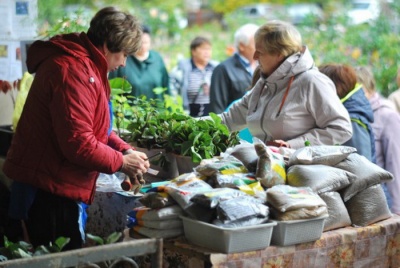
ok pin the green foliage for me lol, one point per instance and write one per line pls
(333, 41)
(140, 120)
(148, 124)
(22, 249)
(154, 125)
(200, 138)
(374, 44)
(120, 89)
(112, 238)
(68, 24)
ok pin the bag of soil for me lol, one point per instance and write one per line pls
(145, 213)
(240, 223)
(319, 178)
(338, 215)
(211, 198)
(286, 197)
(366, 173)
(241, 207)
(368, 206)
(270, 166)
(328, 155)
(182, 188)
(156, 200)
(299, 213)
(245, 182)
(246, 153)
(220, 165)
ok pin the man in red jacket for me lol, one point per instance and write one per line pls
(64, 137)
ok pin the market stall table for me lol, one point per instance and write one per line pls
(377, 245)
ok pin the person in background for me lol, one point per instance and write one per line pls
(245, 133)
(292, 102)
(394, 97)
(191, 77)
(386, 127)
(64, 137)
(145, 71)
(232, 77)
(353, 98)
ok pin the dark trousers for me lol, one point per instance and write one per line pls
(51, 217)
(197, 110)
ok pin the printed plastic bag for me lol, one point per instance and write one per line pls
(213, 197)
(182, 188)
(286, 197)
(270, 166)
(109, 182)
(246, 153)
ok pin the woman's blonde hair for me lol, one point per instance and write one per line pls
(365, 76)
(120, 31)
(279, 38)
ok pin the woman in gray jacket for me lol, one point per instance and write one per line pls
(292, 102)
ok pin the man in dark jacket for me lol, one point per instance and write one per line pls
(232, 78)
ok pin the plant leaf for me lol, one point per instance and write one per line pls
(62, 241)
(112, 238)
(96, 238)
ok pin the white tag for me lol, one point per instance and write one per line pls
(152, 171)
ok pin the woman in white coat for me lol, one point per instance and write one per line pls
(292, 102)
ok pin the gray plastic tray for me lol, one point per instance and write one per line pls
(228, 240)
(293, 232)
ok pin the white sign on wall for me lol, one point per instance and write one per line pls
(19, 22)
(19, 19)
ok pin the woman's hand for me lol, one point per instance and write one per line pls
(135, 163)
(281, 143)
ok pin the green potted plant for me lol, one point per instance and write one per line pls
(22, 249)
(153, 125)
(193, 140)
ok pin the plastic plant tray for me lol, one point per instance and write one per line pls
(293, 232)
(228, 240)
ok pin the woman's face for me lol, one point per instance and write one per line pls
(146, 44)
(115, 60)
(202, 54)
(267, 62)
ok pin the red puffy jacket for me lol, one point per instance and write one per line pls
(61, 142)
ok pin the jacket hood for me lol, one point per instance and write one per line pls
(359, 106)
(74, 44)
(293, 65)
(378, 102)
